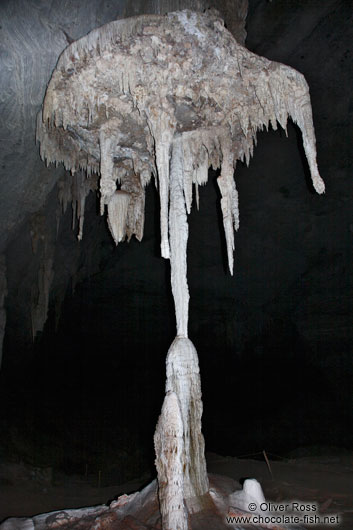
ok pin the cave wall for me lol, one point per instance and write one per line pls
(281, 325)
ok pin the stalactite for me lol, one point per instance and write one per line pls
(117, 214)
(75, 188)
(178, 230)
(229, 201)
(108, 178)
(162, 131)
(82, 185)
(166, 89)
(169, 96)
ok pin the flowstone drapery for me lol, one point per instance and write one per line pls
(168, 96)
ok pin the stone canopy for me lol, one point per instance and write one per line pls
(120, 96)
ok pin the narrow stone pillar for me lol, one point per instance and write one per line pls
(183, 385)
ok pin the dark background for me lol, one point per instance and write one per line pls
(274, 341)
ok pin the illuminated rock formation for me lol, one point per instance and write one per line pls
(168, 96)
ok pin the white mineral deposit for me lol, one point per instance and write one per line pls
(168, 96)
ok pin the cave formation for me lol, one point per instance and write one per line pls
(113, 141)
(169, 96)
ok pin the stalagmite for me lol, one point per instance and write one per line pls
(251, 493)
(169, 96)
(169, 447)
(183, 378)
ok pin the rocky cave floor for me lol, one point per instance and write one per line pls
(326, 480)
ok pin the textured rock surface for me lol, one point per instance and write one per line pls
(284, 320)
(33, 36)
(183, 379)
(119, 97)
(27, 62)
(168, 96)
(169, 448)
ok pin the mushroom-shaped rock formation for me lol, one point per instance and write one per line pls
(168, 96)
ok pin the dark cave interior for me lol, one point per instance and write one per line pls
(96, 374)
(274, 341)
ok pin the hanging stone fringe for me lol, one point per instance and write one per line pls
(120, 95)
(170, 96)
